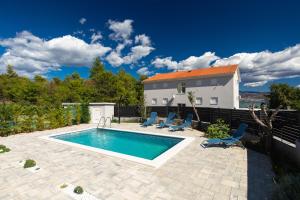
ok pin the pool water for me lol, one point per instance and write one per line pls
(130, 143)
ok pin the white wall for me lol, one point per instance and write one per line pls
(98, 110)
(222, 87)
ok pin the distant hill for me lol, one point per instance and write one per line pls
(251, 97)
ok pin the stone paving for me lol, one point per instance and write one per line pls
(193, 173)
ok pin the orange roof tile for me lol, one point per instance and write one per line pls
(211, 71)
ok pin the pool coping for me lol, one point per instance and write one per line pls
(157, 162)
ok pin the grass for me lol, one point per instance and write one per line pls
(78, 190)
(4, 149)
(29, 163)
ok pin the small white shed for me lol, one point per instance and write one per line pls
(98, 110)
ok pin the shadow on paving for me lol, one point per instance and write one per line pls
(260, 174)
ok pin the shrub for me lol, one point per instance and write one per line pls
(68, 115)
(63, 186)
(85, 113)
(29, 163)
(114, 120)
(60, 117)
(218, 130)
(78, 114)
(78, 190)
(40, 121)
(4, 149)
(288, 188)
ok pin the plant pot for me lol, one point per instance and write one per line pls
(196, 125)
(203, 126)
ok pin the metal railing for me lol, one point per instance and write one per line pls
(100, 121)
(105, 121)
(108, 118)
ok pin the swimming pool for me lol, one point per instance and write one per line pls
(147, 148)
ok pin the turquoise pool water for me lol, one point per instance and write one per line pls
(130, 143)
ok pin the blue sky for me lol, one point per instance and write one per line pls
(153, 37)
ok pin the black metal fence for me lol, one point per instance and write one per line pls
(286, 124)
(127, 111)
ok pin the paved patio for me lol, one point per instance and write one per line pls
(193, 173)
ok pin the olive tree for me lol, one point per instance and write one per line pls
(266, 123)
(192, 100)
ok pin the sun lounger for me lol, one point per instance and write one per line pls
(169, 121)
(230, 141)
(150, 120)
(187, 123)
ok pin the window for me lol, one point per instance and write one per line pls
(214, 81)
(199, 101)
(181, 88)
(199, 82)
(165, 85)
(165, 101)
(213, 101)
(154, 86)
(154, 101)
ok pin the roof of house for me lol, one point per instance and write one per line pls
(211, 71)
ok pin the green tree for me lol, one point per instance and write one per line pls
(192, 100)
(104, 83)
(285, 95)
(10, 72)
(28, 104)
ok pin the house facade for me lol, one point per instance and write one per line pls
(216, 87)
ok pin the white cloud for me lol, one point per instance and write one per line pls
(79, 33)
(121, 33)
(255, 84)
(137, 53)
(265, 66)
(82, 20)
(165, 62)
(189, 63)
(95, 37)
(114, 59)
(120, 47)
(143, 40)
(256, 68)
(121, 30)
(32, 55)
(144, 71)
(298, 86)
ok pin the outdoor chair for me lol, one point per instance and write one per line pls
(150, 120)
(169, 121)
(227, 142)
(187, 123)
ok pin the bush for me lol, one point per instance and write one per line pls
(63, 186)
(78, 190)
(4, 149)
(288, 188)
(85, 113)
(19, 118)
(218, 130)
(68, 116)
(29, 163)
(78, 114)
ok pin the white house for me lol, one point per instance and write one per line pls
(216, 87)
